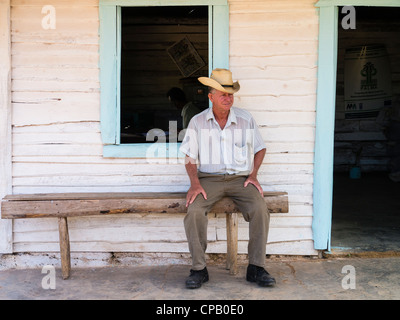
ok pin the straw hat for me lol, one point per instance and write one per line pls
(221, 79)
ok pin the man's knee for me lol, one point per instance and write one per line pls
(257, 210)
(195, 215)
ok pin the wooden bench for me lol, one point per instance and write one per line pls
(64, 205)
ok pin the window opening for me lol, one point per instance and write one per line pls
(161, 48)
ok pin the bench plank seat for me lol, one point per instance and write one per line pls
(64, 205)
(85, 204)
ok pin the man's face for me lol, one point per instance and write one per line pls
(221, 100)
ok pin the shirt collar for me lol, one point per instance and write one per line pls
(231, 117)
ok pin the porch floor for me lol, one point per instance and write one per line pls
(297, 278)
(366, 213)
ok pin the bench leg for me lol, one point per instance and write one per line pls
(64, 247)
(232, 242)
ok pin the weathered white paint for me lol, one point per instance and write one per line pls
(5, 120)
(57, 143)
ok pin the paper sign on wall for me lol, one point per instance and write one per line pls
(367, 81)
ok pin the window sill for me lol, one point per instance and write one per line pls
(144, 150)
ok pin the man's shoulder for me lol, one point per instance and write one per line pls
(198, 119)
(241, 113)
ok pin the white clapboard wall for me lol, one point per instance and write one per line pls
(57, 143)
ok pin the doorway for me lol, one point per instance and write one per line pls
(366, 183)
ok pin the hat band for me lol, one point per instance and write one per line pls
(227, 85)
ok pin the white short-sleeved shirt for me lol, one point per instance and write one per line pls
(223, 151)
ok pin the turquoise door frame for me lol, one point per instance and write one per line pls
(110, 52)
(325, 115)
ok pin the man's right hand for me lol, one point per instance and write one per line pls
(193, 192)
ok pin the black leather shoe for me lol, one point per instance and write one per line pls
(260, 276)
(196, 278)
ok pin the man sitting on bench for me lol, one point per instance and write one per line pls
(227, 146)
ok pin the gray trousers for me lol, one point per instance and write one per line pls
(249, 201)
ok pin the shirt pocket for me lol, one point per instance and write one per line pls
(240, 154)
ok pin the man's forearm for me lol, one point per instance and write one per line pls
(191, 169)
(195, 186)
(258, 160)
(252, 178)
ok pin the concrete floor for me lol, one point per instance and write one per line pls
(366, 213)
(297, 278)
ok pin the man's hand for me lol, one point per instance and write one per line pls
(253, 181)
(193, 192)
(195, 186)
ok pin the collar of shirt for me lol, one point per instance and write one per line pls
(231, 117)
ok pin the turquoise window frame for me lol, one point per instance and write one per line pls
(325, 114)
(110, 71)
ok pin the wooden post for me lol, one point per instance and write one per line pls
(232, 242)
(64, 247)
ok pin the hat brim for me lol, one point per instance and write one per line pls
(216, 85)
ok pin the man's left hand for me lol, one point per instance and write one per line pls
(253, 181)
